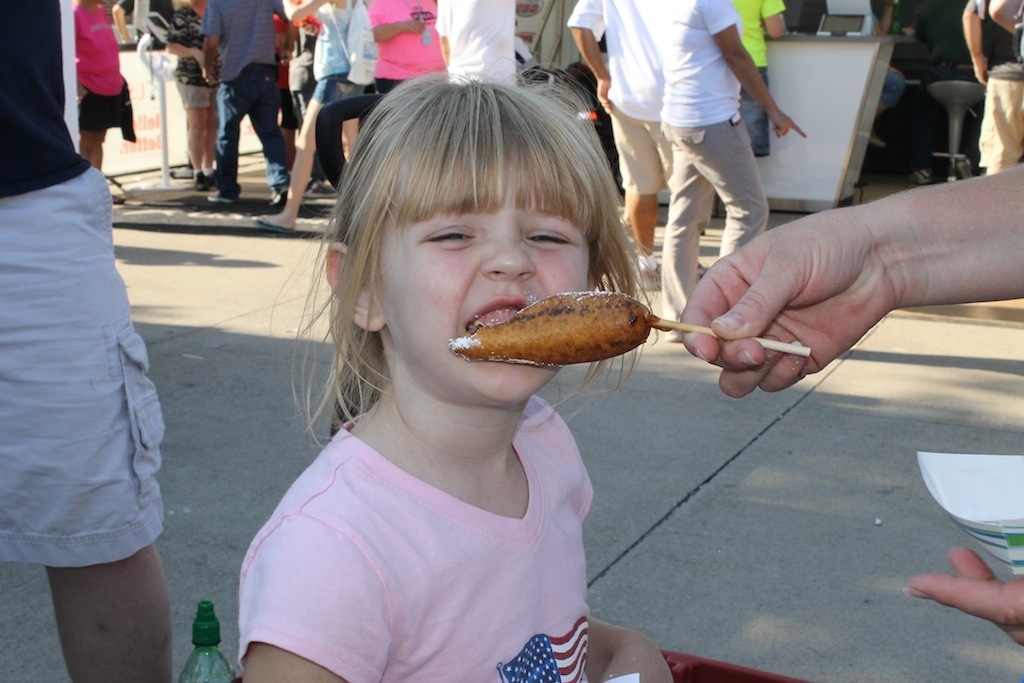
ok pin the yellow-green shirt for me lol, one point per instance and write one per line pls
(751, 12)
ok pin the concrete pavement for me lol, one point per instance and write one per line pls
(776, 531)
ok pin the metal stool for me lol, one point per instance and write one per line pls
(957, 97)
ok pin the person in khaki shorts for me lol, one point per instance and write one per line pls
(997, 65)
(630, 88)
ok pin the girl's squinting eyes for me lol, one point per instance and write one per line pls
(449, 236)
(550, 237)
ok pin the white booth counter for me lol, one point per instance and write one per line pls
(829, 86)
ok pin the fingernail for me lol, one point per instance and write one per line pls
(729, 321)
(747, 359)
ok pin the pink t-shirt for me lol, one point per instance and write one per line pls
(377, 576)
(407, 55)
(96, 52)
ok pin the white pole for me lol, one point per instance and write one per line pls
(67, 39)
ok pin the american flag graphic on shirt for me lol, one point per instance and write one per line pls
(547, 659)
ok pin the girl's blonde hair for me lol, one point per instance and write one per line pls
(432, 147)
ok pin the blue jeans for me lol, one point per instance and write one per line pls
(254, 94)
(892, 89)
(756, 119)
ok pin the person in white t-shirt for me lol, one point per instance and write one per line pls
(630, 88)
(478, 38)
(705, 66)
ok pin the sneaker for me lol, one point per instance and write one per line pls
(318, 189)
(921, 176)
(650, 271)
(963, 169)
(183, 173)
(202, 182)
(278, 199)
(218, 198)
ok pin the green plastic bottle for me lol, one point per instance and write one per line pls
(206, 664)
(897, 23)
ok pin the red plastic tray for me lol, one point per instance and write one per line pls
(692, 669)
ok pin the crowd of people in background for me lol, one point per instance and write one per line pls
(415, 38)
(478, 39)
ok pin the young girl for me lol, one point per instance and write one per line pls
(438, 537)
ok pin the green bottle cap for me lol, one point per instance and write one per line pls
(205, 627)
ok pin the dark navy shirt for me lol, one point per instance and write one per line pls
(36, 150)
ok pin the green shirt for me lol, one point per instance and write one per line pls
(751, 13)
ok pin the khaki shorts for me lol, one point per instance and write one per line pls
(645, 154)
(81, 422)
(197, 96)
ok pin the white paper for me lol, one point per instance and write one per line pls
(628, 678)
(984, 496)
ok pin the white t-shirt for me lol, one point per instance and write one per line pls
(481, 36)
(700, 88)
(634, 38)
(377, 576)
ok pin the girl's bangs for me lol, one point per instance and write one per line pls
(484, 156)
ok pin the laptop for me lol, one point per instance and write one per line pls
(847, 18)
(843, 25)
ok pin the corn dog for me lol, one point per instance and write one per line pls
(576, 327)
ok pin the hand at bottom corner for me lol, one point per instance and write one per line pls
(975, 590)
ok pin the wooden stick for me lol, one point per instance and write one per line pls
(666, 325)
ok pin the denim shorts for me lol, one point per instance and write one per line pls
(80, 443)
(333, 88)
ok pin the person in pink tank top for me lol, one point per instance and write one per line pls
(100, 85)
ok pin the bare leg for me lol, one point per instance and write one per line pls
(114, 620)
(302, 168)
(289, 147)
(90, 143)
(305, 148)
(642, 212)
(196, 132)
(209, 139)
(349, 130)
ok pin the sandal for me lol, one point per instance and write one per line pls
(264, 223)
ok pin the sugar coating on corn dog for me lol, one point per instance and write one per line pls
(575, 327)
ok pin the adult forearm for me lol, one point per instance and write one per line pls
(952, 243)
(117, 14)
(298, 12)
(746, 72)
(211, 60)
(385, 32)
(590, 50)
(179, 50)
